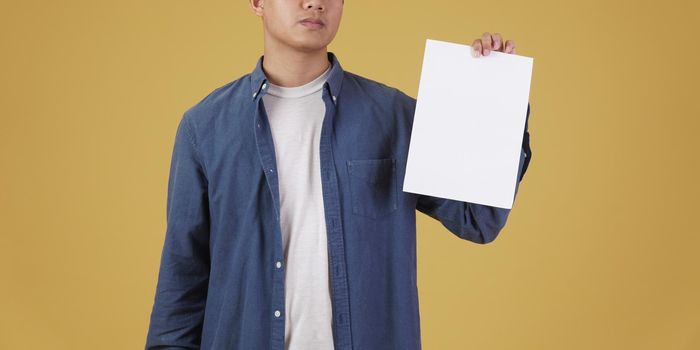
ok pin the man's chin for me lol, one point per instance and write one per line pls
(310, 47)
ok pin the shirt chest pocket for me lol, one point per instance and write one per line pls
(373, 186)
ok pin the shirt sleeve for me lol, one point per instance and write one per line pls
(178, 309)
(475, 222)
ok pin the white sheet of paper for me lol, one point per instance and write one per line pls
(468, 125)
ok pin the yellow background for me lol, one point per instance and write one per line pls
(600, 251)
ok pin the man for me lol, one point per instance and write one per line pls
(286, 224)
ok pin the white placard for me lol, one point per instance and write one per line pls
(468, 125)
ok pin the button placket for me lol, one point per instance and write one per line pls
(265, 148)
(339, 287)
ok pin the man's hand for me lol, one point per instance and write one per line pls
(491, 42)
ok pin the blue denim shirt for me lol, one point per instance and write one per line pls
(221, 279)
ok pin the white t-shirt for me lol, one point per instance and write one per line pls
(296, 115)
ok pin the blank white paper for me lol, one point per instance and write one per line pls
(468, 125)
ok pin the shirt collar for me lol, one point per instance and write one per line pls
(334, 81)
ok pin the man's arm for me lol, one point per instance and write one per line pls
(178, 309)
(475, 222)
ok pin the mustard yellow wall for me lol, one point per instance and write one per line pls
(601, 248)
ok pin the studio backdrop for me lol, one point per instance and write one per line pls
(600, 250)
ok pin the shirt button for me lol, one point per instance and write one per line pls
(277, 313)
(255, 94)
(333, 98)
(259, 126)
(272, 170)
(264, 86)
(279, 264)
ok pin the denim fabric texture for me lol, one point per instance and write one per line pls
(221, 279)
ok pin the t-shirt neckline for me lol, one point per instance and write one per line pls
(301, 90)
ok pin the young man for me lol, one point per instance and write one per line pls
(286, 224)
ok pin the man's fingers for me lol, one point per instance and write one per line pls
(491, 42)
(476, 48)
(486, 43)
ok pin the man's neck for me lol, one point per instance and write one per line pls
(289, 68)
